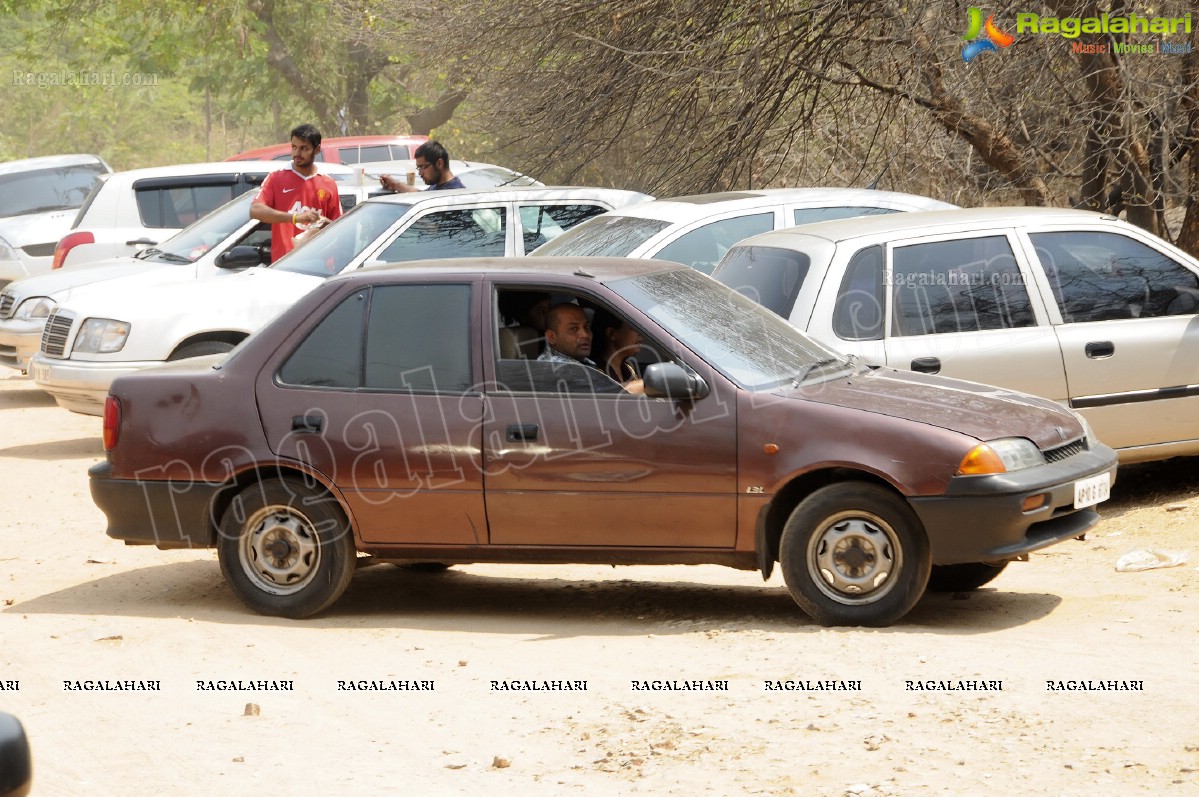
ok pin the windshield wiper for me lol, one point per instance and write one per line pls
(816, 366)
(171, 257)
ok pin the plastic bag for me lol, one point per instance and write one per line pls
(1135, 561)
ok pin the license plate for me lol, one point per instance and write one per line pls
(40, 372)
(1088, 492)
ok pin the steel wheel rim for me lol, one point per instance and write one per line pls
(855, 558)
(279, 550)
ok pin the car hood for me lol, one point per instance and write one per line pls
(58, 283)
(224, 299)
(37, 228)
(980, 411)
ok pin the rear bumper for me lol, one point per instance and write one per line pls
(981, 518)
(165, 514)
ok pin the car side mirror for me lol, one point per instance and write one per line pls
(244, 256)
(673, 381)
(16, 764)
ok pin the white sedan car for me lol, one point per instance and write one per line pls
(113, 328)
(698, 230)
(206, 248)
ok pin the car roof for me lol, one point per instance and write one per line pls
(220, 167)
(686, 208)
(597, 269)
(506, 194)
(49, 162)
(930, 222)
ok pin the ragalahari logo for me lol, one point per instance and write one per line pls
(983, 38)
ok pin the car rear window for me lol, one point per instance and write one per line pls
(771, 277)
(605, 236)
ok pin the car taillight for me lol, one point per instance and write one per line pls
(112, 422)
(68, 243)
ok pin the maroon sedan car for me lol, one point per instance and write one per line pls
(376, 418)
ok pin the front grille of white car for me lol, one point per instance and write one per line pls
(7, 300)
(56, 333)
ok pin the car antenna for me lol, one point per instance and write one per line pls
(582, 272)
(874, 185)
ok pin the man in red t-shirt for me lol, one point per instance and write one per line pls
(291, 199)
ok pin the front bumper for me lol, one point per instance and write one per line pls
(981, 518)
(19, 341)
(80, 385)
(165, 514)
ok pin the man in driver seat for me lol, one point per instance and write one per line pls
(568, 340)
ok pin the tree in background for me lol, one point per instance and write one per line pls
(678, 97)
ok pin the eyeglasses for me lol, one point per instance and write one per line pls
(420, 167)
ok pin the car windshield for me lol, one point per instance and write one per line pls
(191, 243)
(604, 236)
(743, 340)
(43, 190)
(493, 177)
(334, 247)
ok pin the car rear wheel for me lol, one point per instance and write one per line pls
(854, 554)
(963, 577)
(286, 549)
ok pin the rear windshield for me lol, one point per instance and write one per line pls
(604, 236)
(44, 190)
(771, 277)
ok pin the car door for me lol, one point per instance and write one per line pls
(572, 460)
(1128, 331)
(379, 396)
(960, 305)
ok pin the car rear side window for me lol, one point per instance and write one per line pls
(858, 314)
(413, 338)
(809, 215)
(177, 206)
(771, 277)
(1100, 276)
(703, 247)
(966, 285)
(541, 223)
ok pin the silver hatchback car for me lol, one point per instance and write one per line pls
(1078, 307)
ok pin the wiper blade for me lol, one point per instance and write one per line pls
(143, 254)
(171, 257)
(816, 366)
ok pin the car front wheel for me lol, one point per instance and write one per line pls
(286, 548)
(854, 554)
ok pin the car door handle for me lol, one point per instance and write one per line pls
(141, 242)
(307, 423)
(927, 365)
(519, 431)
(1100, 349)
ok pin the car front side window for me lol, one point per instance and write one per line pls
(1103, 276)
(964, 285)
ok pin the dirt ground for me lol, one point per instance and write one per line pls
(76, 607)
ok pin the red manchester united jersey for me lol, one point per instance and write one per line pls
(291, 192)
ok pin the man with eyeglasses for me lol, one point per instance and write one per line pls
(433, 166)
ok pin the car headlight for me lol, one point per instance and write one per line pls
(1001, 456)
(37, 307)
(1092, 440)
(101, 336)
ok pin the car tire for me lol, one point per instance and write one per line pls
(963, 577)
(286, 549)
(200, 348)
(854, 554)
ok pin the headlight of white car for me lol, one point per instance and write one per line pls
(101, 336)
(1092, 440)
(37, 307)
(1001, 456)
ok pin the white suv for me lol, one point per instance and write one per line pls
(117, 327)
(38, 199)
(137, 209)
(223, 241)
